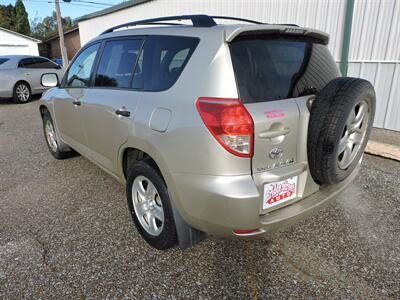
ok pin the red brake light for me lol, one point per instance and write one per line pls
(229, 122)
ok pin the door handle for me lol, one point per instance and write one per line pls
(76, 103)
(274, 133)
(123, 112)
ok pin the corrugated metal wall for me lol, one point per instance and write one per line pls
(375, 55)
(374, 48)
(324, 15)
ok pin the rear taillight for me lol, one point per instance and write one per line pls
(229, 122)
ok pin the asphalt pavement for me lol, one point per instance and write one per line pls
(65, 233)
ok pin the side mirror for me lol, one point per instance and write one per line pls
(49, 80)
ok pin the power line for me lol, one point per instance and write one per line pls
(80, 3)
(76, 4)
(93, 2)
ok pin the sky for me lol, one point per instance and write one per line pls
(77, 8)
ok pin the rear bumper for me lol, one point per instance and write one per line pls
(304, 208)
(218, 205)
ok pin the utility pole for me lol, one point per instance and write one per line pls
(61, 34)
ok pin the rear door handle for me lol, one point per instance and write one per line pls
(123, 112)
(77, 102)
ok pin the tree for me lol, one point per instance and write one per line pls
(7, 17)
(15, 18)
(21, 18)
(42, 29)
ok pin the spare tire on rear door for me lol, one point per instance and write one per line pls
(341, 118)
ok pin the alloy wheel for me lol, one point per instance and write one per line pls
(147, 205)
(22, 92)
(51, 136)
(353, 134)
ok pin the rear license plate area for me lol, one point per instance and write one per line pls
(278, 192)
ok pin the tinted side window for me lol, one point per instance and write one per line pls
(81, 69)
(164, 59)
(28, 63)
(272, 68)
(43, 63)
(117, 63)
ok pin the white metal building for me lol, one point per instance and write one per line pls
(15, 43)
(374, 27)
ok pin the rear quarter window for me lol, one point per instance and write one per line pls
(163, 60)
(271, 68)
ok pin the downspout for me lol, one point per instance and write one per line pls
(344, 58)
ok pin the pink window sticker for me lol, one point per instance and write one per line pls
(274, 113)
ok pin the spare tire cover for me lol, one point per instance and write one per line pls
(341, 119)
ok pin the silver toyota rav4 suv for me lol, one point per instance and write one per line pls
(227, 130)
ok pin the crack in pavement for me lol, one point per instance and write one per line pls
(45, 251)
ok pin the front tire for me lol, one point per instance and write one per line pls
(22, 92)
(150, 206)
(52, 140)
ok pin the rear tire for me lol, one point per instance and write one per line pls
(52, 139)
(22, 92)
(150, 206)
(340, 124)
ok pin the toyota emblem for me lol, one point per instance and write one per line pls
(276, 153)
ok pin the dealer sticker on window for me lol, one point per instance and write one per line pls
(279, 192)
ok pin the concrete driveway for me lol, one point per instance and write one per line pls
(65, 232)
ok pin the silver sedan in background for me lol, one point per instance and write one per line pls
(20, 76)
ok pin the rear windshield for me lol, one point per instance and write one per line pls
(3, 60)
(275, 67)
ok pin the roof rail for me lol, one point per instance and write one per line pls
(236, 19)
(197, 20)
(295, 25)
